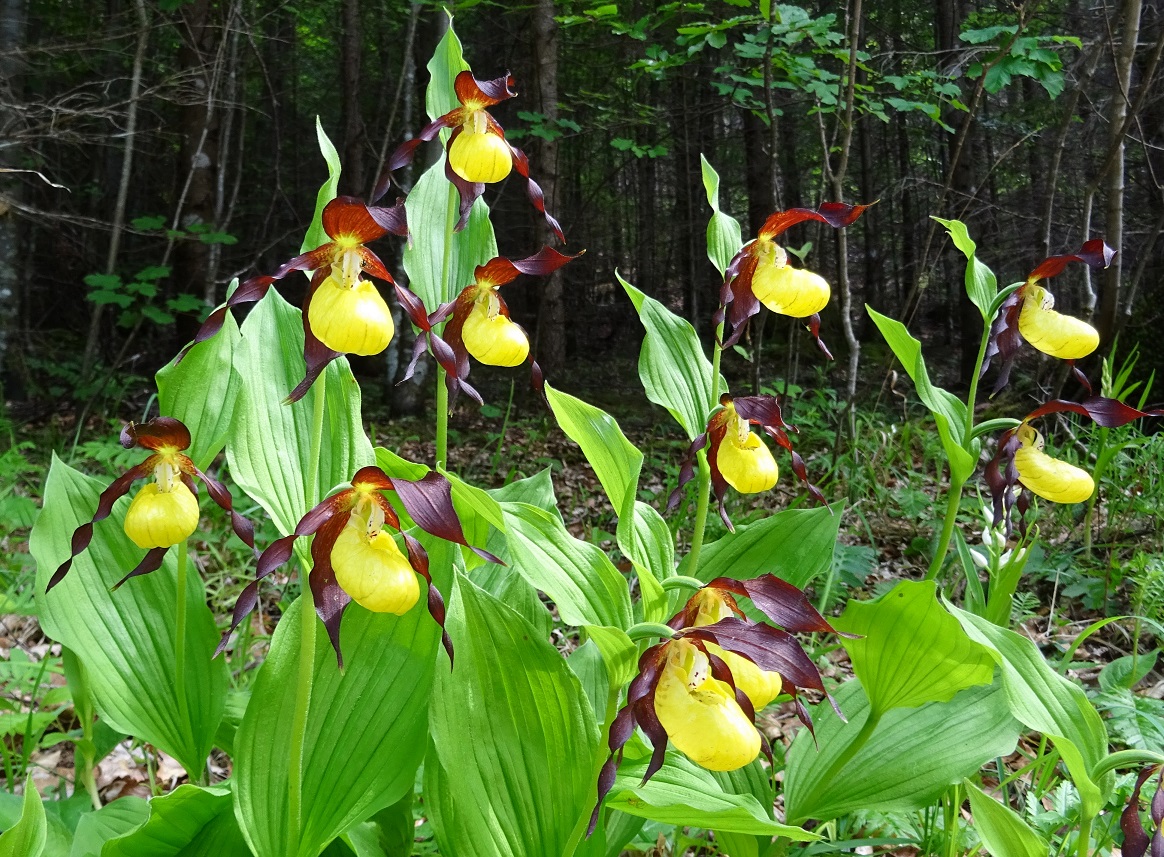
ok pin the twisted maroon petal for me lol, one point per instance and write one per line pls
(418, 559)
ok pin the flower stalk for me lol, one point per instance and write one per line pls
(442, 388)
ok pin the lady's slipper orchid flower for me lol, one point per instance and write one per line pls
(760, 274)
(355, 557)
(738, 457)
(343, 313)
(477, 151)
(1020, 460)
(164, 512)
(1029, 314)
(688, 693)
(478, 320)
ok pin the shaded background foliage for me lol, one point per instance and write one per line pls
(1011, 118)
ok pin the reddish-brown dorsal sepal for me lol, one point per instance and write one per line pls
(158, 433)
(835, 214)
(1094, 253)
(1107, 412)
(348, 218)
(478, 94)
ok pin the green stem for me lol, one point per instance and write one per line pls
(442, 391)
(955, 496)
(180, 636)
(703, 490)
(306, 677)
(1083, 846)
(681, 581)
(646, 630)
(953, 503)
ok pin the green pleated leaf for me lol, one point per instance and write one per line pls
(28, 836)
(913, 756)
(981, 284)
(365, 726)
(1003, 832)
(432, 208)
(315, 235)
(617, 464)
(911, 650)
(201, 392)
(724, 238)
(577, 576)
(537, 490)
(113, 820)
(271, 442)
(672, 366)
(1045, 701)
(948, 410)
(619, 652)
(190, 821)
(683, 793)
(514, 733)
(796, 545)
(125, 639)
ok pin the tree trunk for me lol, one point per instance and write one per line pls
(551, 332)
(13, 28)
(352, 177)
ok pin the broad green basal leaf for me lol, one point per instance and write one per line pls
(911, 650)
(684, 793)
(125, 638)
(28, 836)
(1045, 701)
(515, 733)
(672, 366)
(796, 545)
(115, 819)
(271, 442)
(1003, 832)
(911, 758)
(351, 770)
(577, 576)
(190, 821)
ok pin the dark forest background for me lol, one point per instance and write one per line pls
(177, 149)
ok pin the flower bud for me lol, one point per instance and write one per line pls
(789, 291)
(492, 338)
(747, 465)
(373, 571)
(350, 320)
(1049, 477)
(158, 519)
(700, 713)
(478, 154)
(1051, 332)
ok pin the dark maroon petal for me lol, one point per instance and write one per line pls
(247, 600)
(249, 291)
(84, 533)
(648, 721)
(1109, 413)
(780, 601)
(686, 471)
(716, 431)
(736, 296)
(835, 214)
(1135, 837)
(370, 263)
(469, 191)
(418, 559)
(1001, 477)
(419, 346)
(157, 433)
(429, 502)
(760, 410)
(722, 672)
(152, 561)
(606, 778)
(1080, 378)
(413, 306)
(534, 192)
(330, 599)
(1005, 339)
(220, 495)
(1094, 253)
(813, 325)
(392, 219)
(316, 356)
(545, 261)
(767, 647)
